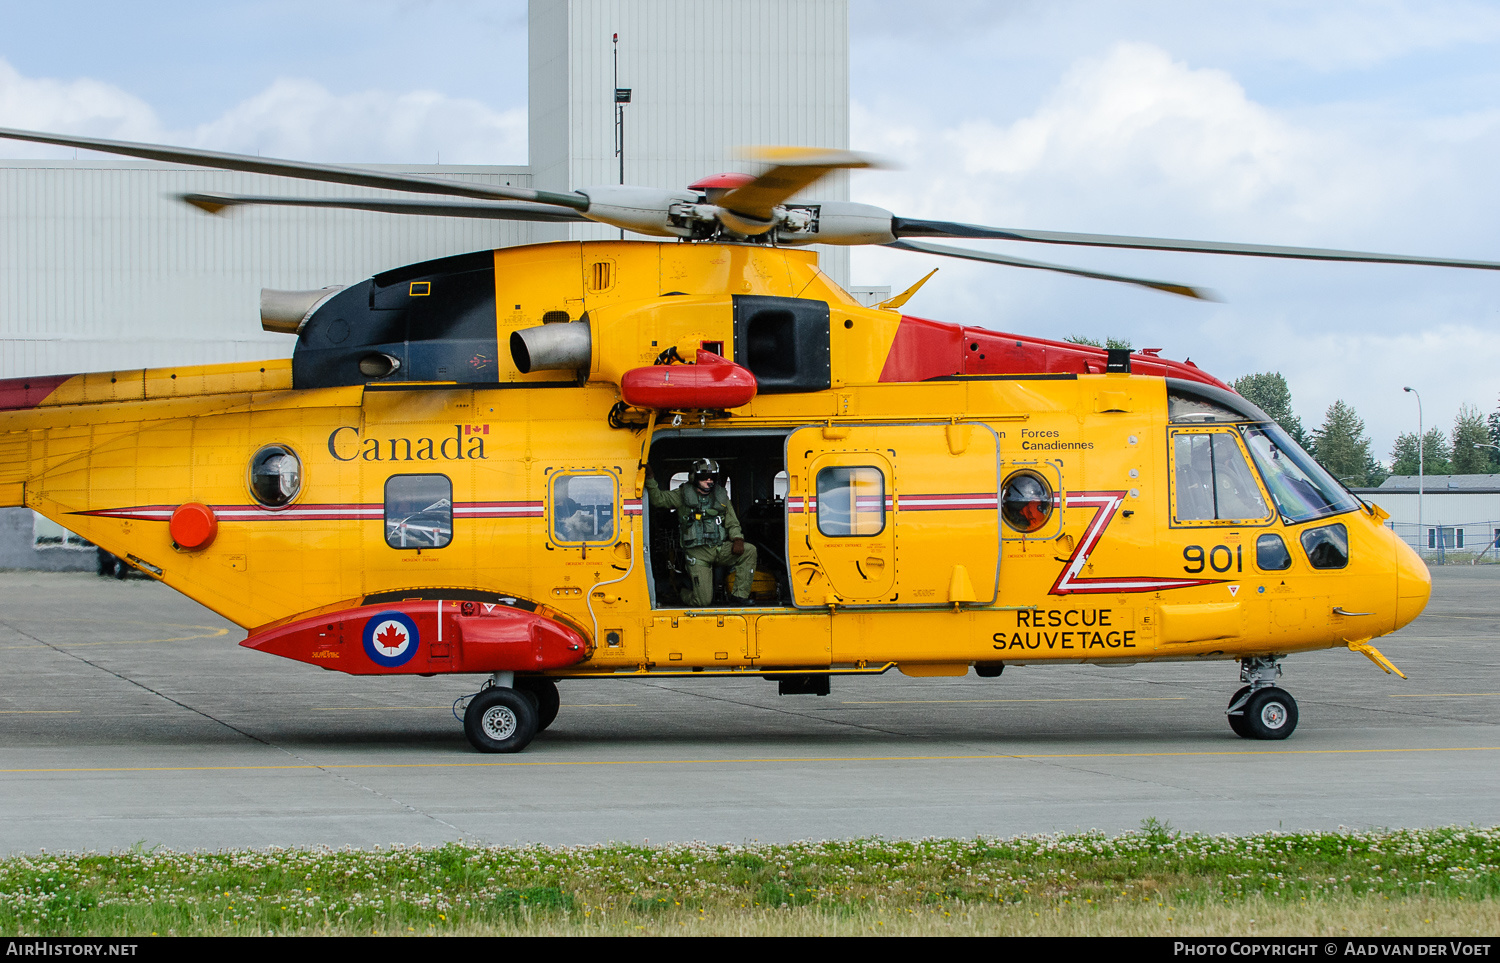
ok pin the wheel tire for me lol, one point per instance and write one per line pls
(1237, 722)
(500, 720)
(544, 691)
(1270, 714)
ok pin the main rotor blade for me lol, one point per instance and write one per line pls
(793, 169)
(490, 210)
(301, 169)
(1187, 291)
(908, 227)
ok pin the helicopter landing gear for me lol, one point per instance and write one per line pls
(1261, 710)
(500, 718)
(544, 692)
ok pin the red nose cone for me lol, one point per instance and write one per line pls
(193, 525)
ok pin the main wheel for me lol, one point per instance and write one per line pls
(500, 720)
(1237, 721)
(1270, 714)
(544, 691)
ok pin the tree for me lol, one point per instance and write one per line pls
(1469, 430)
(1341, 446)
(1404, 454)
(1111, 343)
(1435, 452)
(1492, 426)
(1270, 393)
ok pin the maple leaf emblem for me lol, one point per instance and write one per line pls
(390, 639)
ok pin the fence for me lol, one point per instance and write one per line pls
(1448, 543)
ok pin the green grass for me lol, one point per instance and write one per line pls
(1154, 880)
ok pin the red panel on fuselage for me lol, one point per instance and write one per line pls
(19, 393)
(423, 637)
(925, 349)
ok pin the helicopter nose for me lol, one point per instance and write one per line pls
(1413, 583)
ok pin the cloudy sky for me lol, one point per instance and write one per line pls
(1370, 125)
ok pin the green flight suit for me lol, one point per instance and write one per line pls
(708, 526)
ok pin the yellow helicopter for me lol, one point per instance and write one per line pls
(467, 466)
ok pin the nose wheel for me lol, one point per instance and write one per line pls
(508, 712)
(500, 720)
(1262, 710)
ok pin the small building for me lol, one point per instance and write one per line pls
(1444, 514)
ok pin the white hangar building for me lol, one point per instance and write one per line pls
(1442, 515)
(101, 268)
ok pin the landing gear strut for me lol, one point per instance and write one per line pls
(1261, 709)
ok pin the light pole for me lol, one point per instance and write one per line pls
(622, 97)
(1421, 446)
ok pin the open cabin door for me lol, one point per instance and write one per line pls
(893, 515)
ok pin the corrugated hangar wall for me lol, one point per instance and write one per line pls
(102, 267)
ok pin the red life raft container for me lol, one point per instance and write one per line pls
(711, 383)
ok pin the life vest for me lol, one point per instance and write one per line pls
(702, 519)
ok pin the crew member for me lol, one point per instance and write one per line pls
(710, 531)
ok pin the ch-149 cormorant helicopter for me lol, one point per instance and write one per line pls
(404, 496)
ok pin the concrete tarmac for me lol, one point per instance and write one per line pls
(129, 715)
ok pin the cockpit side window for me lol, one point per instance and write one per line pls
(1212, 481)
(1299, 486)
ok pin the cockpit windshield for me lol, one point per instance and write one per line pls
(1300, 487)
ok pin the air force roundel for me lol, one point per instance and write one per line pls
(391, 639)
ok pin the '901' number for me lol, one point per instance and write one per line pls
(1221, 558)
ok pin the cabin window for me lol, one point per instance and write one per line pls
(418, 511)
(851, 501)
(583, 508)
(1212, 481)
(1026, 501)
(275, 476)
